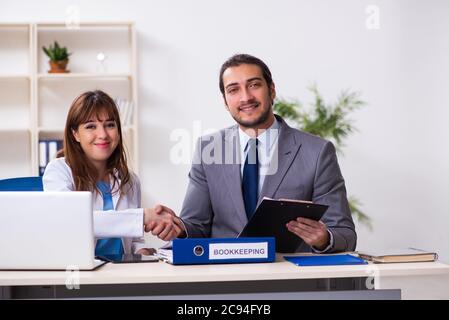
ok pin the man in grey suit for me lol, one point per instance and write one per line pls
(262, 156)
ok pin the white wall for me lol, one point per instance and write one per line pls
(397, 164)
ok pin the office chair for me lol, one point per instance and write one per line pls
(22, 184)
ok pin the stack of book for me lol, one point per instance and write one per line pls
(397, 256)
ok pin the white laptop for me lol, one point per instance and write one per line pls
(47, 231)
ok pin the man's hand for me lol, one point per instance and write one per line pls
(313, 233)
(162, 222)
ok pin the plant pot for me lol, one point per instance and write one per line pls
(58, 66)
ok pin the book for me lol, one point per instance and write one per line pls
(43, 159)
(218, 250)
(325, 260)
(272, 215)
(398, 256)
(48, 149)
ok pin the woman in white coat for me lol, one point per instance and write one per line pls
(93, 159)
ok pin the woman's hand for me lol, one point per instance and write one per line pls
(162, 222)
(146, 251)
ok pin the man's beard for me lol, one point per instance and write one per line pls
(256, 122)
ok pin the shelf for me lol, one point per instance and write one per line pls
(128, 128)
(14, 25)
(85, 43)
(34, 104)
(14, 130)
(16, 152)
(15, 99)
(63, 26)
(50, 76)
(50, 130)
(14, 77)
(50, 133)
(15, 49)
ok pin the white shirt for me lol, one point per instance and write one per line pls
(125, 221)
(267, 144)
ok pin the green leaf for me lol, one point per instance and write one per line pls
(328, 121)
(286, 109)
(364, 219)
(56, 53)
(48, 53)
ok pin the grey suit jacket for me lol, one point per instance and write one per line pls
(307, 169)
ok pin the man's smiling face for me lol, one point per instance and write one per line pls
(248, 97)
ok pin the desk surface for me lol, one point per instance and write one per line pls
(160, 272)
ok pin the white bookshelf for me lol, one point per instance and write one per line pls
(84, 76)
(34, 103)
(16, 102)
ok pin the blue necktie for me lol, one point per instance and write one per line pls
(107, 246)
(250, 180)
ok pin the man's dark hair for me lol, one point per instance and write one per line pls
(239, 59)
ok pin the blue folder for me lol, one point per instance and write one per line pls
(220, 250)
(325, 260)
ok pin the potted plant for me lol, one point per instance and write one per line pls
(329, 121)
(59, 58)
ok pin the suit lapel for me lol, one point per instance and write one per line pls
(231, 173)
(287, 149)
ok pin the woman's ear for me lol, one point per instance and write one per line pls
(76, 135)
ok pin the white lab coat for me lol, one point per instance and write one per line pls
(125, 222)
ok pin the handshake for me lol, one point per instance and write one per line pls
(162, 222)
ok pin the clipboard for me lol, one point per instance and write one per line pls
(325, 260)
(271, 217)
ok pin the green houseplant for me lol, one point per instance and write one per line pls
(329, 121)
(59, 58)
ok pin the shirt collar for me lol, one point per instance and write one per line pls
(265, 140)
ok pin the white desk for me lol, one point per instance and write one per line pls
(157, 279)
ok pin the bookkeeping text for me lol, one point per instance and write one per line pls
(239, 250)
(227, 252)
